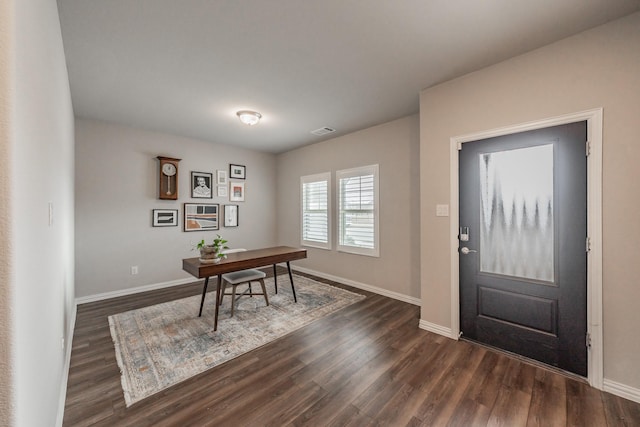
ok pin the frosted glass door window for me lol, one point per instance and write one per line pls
(516, 219)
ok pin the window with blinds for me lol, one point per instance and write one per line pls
(316, 208)
(358, 210)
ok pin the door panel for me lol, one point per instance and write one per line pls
(523, 198)
(518, 309)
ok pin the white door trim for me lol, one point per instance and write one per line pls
(594, 226)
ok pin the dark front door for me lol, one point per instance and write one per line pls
(523, 229)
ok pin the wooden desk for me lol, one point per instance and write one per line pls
(241, 261)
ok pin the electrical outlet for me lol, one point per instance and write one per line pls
(134, 270)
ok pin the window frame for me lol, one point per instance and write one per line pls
(307, 179)
(353, 172)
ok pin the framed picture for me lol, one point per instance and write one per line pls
(221, 177)
(165, 217)
(236, 192)
(201, 185)
(201, 216)
(237, 172)
(222, 190)
(230, 215)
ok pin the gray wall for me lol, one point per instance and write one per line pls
(395, 147)
(597, 68)
(117, 189)
(7, 101)
(40, 277)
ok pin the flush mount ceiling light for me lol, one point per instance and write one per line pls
(249, 117)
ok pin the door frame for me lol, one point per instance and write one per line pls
(594, 226)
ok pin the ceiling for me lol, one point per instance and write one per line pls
(185, 67)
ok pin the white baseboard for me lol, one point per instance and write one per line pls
(395, 295)
(65, 369)
(154, 286)
(436, 329)
(621, 390)
(131, 291)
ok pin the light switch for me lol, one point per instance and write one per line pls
(50, 214)
(442, 210)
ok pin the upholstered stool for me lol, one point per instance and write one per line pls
(240, 277)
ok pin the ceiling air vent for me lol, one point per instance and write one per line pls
(323, 131)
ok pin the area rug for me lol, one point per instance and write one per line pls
(162, 345)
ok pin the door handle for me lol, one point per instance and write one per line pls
(466, 251)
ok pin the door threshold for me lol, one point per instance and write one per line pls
(528, 361)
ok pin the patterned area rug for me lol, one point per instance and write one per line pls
(159, 346)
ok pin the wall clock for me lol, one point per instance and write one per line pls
(168, 185)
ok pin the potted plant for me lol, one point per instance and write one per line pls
(213, 252)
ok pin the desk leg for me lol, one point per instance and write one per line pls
(204, 293)
(215, 322)
(275, 278)
(291, 279)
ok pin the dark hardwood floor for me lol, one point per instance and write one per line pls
(368, 364)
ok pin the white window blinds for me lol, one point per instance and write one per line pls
(358, 210)
(316, 206)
